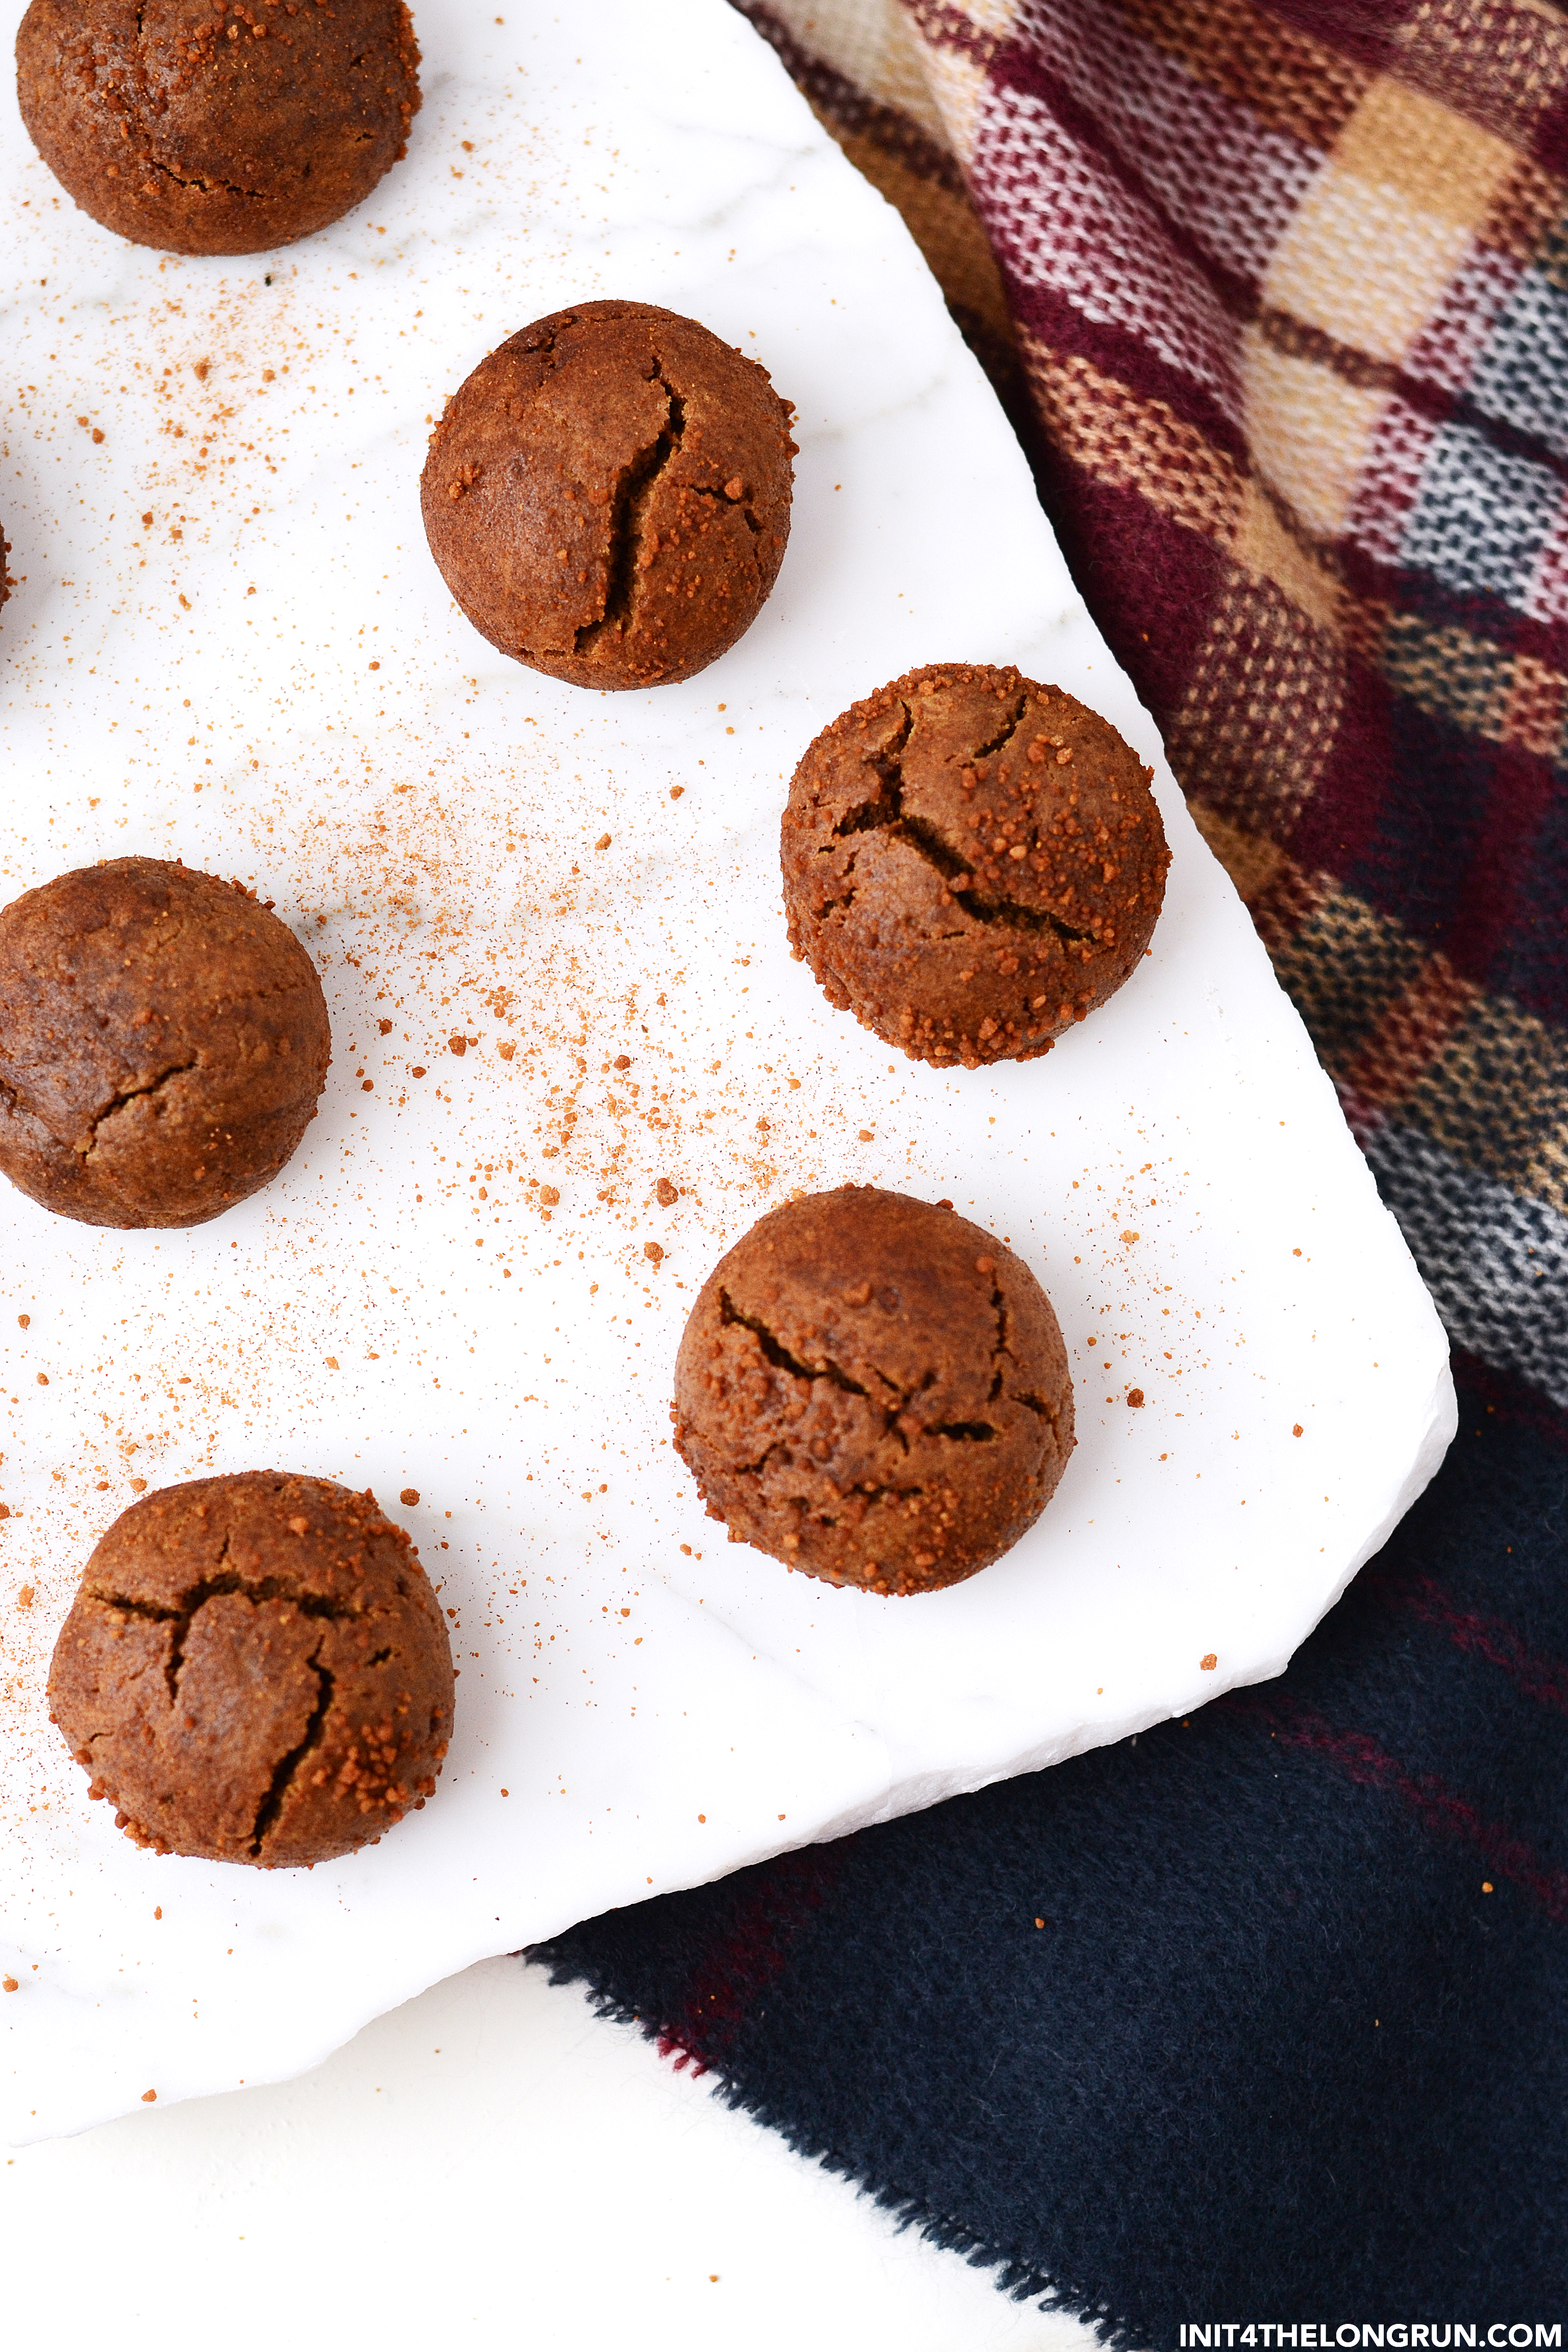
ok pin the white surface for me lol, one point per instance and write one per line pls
(638, 1708)
(490, 2165)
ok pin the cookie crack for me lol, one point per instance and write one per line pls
(1037, 1404)
(213, 1588)
(24, 1108)
(1019, 916)
(629, 502)
(884, 812)
(1000, 741)
(928, 843)
(748, 514)
(255, 195)
(283, 1773)
(999, 1308)
(131, 1094)
(176, 1657)
(887, 804)
(974, 1432)
(976, 903)
(776, 1353)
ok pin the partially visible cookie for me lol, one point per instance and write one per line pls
(228, 128)
(972, 863)
(609, 495)
(874, 1391)
(256, 1669)
(164, 1040)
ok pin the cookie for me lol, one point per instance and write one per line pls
(255, 1669)
(972, 863)
(228, 128)
(607, 496)
(874, 1391)
(163, 1039)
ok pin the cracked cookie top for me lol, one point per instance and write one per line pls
(972, 863)
(609, 495)
(163, 1039)
(256, 1669)
(217, 129)
(874, 1390)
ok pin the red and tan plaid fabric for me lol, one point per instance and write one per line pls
(1279, 295)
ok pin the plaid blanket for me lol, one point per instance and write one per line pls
(1280, 297)
(1261, 2016)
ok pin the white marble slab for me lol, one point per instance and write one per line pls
(270, 680)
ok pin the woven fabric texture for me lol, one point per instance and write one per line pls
(1259, 2017)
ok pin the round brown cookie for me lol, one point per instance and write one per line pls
(163, 1039)
(874, 1391)
(228, 128)
(972, 863)
(255, 1669)
(609, 495)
